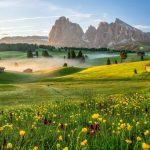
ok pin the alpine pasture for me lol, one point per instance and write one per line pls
(73, 108)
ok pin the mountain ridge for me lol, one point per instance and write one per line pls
(105, 35)
(39, 40)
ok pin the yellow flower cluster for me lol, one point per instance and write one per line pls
(128, 141)
(83, 143)
(9, 146)
(22, 133)
(95, 116)
(84, 130)
(145, 146)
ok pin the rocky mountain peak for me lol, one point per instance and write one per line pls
(89, 35)
(122, 23)
(66, 33)
(91, 28)
(62, 20)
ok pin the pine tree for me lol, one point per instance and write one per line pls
(45, 53)
(69, 55)
(29, 54)
(141, 54)
(108, 62)
(73, 54)
(80, 54)
(37, 54)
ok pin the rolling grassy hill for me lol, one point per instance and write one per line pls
(13, 77)
(123, 71)
(119, 71)
(59, 72)
(16, 77)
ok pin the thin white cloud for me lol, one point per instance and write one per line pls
(142, 27)
(104, 15)
(39, 18)
(65, 11)
(12, 28)
(27, 18)
(7, 26)
(98, 20)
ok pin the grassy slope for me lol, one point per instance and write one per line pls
(12, 77)
(14, 54)
(112, 72)
(59, 72)
(12, 94)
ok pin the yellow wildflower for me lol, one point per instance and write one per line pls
(84, 130)
(104, 121)
(123, 125)
(22, 133)
(128, 141)
(95, 116)
(58, 146)
(9, 146)
(138, 138)
(100, 119)
(35, 148)
(145, 146)
(66, 148)
(83, 143)
(60, 138)
(146, 132)
(129, 127)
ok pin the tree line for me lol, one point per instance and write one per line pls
(18, 47)
(33, 47)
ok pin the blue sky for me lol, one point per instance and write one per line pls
(36, 17)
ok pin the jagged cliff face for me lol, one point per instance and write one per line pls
(109, 35)
(89, 36)
(65, 33)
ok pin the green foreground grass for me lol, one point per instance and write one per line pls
(99, 108)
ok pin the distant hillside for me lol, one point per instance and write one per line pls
(39, 40)
(133, 46)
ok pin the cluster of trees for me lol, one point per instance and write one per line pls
(45, 53)
(32, 54)
(124, 55)
(109, 61)
(72, 55)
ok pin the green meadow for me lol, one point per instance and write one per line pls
(100, 107)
